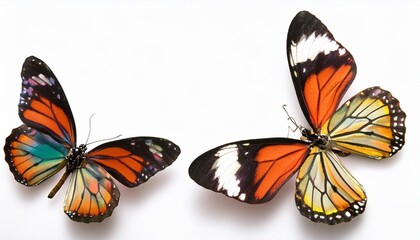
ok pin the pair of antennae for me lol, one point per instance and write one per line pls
(90, 129)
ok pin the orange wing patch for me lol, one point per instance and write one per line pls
(323, 92)
(92, 194)
(50, 116)
(276, 164)
(119, 160)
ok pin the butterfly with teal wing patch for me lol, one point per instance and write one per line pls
(46, 143)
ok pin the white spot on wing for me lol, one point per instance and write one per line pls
(226, 167)
(42, 80)
(308, 47)
(45, 79)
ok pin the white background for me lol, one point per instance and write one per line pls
(204, 73)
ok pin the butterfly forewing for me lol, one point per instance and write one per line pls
(371, 124)
(251, 171)
(325, 191)
(91, 195)
(43, 104)
(33, 156)
(321, 68)
(133, 161)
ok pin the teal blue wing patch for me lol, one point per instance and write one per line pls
(33, 156)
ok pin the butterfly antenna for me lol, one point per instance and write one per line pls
(292, 120)
(90, 127)
(106, 139)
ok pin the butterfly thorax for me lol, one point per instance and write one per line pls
(75, 157)
(319, 140)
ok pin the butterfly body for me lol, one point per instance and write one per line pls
(76, 157)
(369, 124)
(46, 143)
(319, 140)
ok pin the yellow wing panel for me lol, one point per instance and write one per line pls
(369, 124)
(325, 191)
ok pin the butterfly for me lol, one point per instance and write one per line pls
(370, 124)
(46, 143)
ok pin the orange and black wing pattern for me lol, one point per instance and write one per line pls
(370, 124)
(251, 171)
(91, 195)
(46, 143)
(133, 161)
(326, 191)
(43, 104)
(321, 68)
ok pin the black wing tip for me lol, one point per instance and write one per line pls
(33, 66)
(173, 150)
(304, 14)
(201, 172)
(171, 153)
(32, 61)
(32, 58)
(305, 23)
(198, 169)
(355, 209)
(176, 149)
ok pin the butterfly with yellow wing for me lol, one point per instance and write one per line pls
(46, 143)
(370, 124)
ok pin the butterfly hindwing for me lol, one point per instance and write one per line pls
(33, 156)
(251, 171)
(326, 191)
(371, 124)
(43, 104)
(321, 68)
(92, 194)
(133, 161)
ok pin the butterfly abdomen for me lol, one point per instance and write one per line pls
(74, 159)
